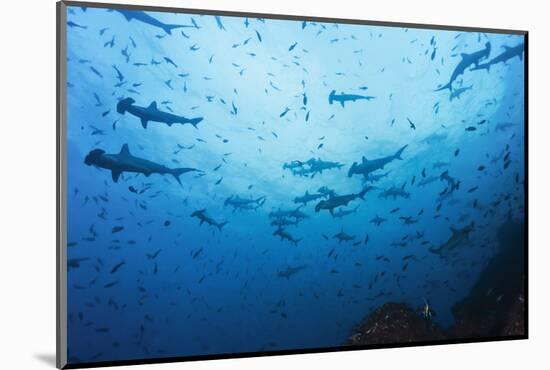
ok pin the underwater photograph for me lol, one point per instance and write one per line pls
(245, 185)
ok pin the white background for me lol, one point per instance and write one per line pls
(27, 182)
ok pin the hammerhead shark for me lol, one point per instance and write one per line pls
(142, 16)
(456, 93)
(342, 98)
(290, 270)
(283, 234)
(366, 167)
(307, 197)
(466, 61)
(340, 200)
(151, 113)
(509, 52)
(344, 212)
(201, 215)
(126, 162)
(459, 237)
(343, 237)
(243, 203)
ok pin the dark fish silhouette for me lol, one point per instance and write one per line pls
(201, 215)
(126, 162)
(335, 201)
(367, 166)
(342, 98)
(152, 113)
(291, 270)
(142, 16)
(509, 52)
(466, 61)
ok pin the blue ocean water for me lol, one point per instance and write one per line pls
(147, 280)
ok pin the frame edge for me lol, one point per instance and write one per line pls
(61, 255)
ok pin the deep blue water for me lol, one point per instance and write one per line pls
(189, 289)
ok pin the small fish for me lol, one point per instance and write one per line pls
(287, 109)
(111, 284)
(76, 25)
(95, 71)
(170, 61)
(411, 124)
(117, 266)
(117, 229)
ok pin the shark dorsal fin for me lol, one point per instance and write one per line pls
(506, 47)
(453, 230)
(153, 105)
(464, 55)
(307, 192)
(364, 159)
(124, 151)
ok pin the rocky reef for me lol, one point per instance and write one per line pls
(395, 323)
(494, 307)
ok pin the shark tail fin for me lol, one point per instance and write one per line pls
(397, 155)
(220, 226)
(194, 121)
(169, 27)
(444, 87)
(123, 105)
(176, 172)
(297, 241)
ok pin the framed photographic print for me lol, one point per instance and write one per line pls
(236, 184)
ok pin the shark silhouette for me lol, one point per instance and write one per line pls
(366, 167)
(458, 237)
(509, 52)
(152, 113)
(467, 61)
(342, 98)
(340, 200)
(285, 235)
(142, 16)
(203, 217)
(126, 162)
(290, 270)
